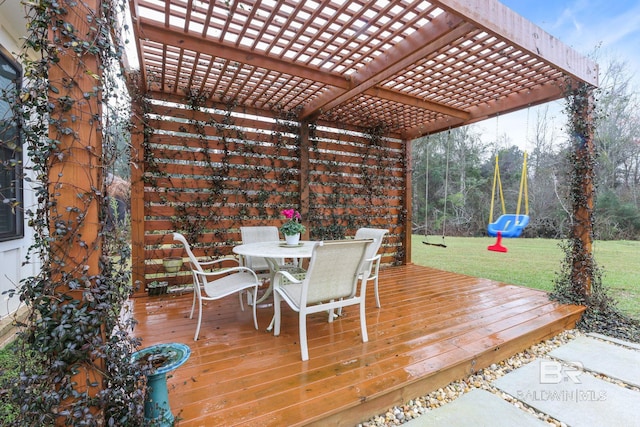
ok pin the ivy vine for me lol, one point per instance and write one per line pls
(84, 374)
(579, 280)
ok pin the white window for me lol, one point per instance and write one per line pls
(11, 209)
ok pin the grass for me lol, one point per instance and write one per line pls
(533, 263)
(9, 371)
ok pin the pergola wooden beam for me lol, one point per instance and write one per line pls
(513, 102)
(443, 29)
(498, 19)
(174, 36)
(411, 101)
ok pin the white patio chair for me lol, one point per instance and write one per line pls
(331, 283)
(255, 235)
(218, 282)
(267, 233)
(263, 233)
(372, 266)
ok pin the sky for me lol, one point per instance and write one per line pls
(599, 29)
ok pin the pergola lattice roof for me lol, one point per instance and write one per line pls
(416, 66)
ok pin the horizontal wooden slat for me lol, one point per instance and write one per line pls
(181, 154)
(189, 136)
(180, 185)
(331, 136)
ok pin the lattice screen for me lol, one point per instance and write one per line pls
(208, 171)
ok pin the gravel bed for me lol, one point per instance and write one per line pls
(482, 380)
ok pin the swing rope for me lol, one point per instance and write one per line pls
(524, 190)
(523, 178)
(496, 183)
(426, 190)
(446, 180)
(446, 186)
(523, 185)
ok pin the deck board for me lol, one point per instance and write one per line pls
(433, 327)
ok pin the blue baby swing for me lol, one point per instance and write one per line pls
(508, 225)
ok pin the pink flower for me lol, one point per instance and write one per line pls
(293, 225)
(288, 213)
(291, 214)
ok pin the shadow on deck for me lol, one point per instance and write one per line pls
(433, 327)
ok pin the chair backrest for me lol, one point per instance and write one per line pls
(195, 264)
(333, 270)
(262, 233)
(376, 234)
(257, 234)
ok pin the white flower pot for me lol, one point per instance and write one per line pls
(292, 239)
(172, 264)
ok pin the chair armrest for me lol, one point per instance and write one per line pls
(219, 260)
(374, 259)
(225, 271)
(282, 275)
(371, 262)
(211, 265)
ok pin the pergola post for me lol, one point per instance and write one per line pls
(582, 269)
(137, 184)
(408, 212)
(75, 183)
(304, 173)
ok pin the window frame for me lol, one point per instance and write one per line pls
(16, 231)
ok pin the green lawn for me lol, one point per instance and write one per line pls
(533, 263)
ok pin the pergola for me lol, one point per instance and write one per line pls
(255, 105)
(417, 66)
(411, 67)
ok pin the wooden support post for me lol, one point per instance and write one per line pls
(137, 187)
(74, 179)
(406, 243)
(583, 188)
(304, 175)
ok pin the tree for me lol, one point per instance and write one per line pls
(618, 150)
(448, 184)
(548, 188)
(618, 128)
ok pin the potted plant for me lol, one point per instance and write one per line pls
(172, 264)
(293, 227)
(156, 288)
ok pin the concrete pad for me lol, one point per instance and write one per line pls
(605, 358)
(615, 340)
(477, 408)
(570, 395)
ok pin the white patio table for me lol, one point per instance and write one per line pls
(274, 251)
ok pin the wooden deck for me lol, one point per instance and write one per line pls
(433, 327)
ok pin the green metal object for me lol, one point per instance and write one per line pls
(164, 358)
